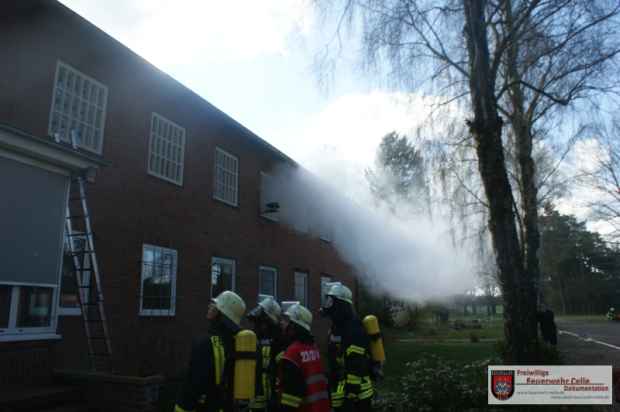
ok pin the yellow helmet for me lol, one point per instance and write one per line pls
(339, 291)
(300, 316)
(230, 305)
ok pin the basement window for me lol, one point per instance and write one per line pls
(267, 281)
(301, 288)
(79, 107)
(166, 149)
(226, 177)
(158, 281)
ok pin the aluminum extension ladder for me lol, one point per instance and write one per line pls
(86, 273)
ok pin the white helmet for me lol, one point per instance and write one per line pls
(269, 306)
(288, 303)
(231, 305)
(339, 291)
(300, 316)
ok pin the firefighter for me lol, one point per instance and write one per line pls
(611, 314)
(548, 329)
(302, 381)
(349, 359)
(266, 320)
(209, 382)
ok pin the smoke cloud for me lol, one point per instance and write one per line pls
(410, 257)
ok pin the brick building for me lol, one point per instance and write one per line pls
(180, 198)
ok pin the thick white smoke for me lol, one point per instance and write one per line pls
(410, 257)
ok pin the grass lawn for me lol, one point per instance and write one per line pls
(398, 353)
(591, 318)
(428, 330)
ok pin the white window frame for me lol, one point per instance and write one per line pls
(306, 276)
(102, 107)
(14, 333)
(325, 279)
(67, 311)
(274, 217)
(215, 260)
(235, 175)
(173, 284)
(275, 280)
(181, 162)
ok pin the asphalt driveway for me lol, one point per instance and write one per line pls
(589, 342)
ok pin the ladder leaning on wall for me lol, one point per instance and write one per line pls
(86, 273)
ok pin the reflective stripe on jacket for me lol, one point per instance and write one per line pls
(349, 363)
(208, 386)
(264, 381)
(306, 361)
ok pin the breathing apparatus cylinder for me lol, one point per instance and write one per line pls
(245, 365)
(371, 324)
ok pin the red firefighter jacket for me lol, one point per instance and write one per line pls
(303, 384)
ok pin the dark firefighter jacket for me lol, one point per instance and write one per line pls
(265, 375)
(349, 364)
(208, 384)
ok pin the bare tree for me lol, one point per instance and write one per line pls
(605, 180)
(524, 59)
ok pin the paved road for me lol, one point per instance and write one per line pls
(595, 342)
(601, 330)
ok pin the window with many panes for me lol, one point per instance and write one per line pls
(222, 275)
(267, 281)
(166, 149)
(226, 177)
(158, 281)
(78, 108)
(301, 288)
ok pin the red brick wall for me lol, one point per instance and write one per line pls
(25, 363)
(103, 392)
(130, 207)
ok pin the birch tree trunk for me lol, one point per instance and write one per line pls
(486, 128)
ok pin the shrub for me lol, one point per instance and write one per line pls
(433, 384)
(473, 338)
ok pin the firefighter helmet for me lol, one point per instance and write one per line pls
(300, 316)
(269, 307)
(339, 291)
(230, 305)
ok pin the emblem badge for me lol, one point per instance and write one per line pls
(502, 384)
